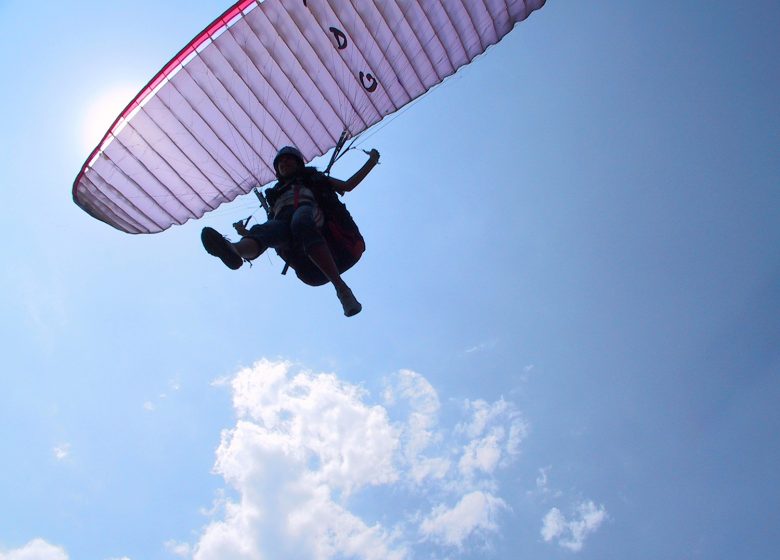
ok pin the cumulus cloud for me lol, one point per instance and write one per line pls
(572, 533)
(475, 512)
(495, 432)
(306, 445)
(410, 393)
(302, 445)
(482, 454)
(543, 489)
(482, 414)
(311, 417)
(37, 549)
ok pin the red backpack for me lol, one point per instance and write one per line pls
(339, 230)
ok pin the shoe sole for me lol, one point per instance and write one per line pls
(216, 245)
(354, 311)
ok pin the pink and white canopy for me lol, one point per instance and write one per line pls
(269, 74)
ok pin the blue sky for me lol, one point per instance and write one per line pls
(570, 338)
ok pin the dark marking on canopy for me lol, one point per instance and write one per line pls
(368, 81)
(341, 39)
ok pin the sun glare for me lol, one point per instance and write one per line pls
(101, 112)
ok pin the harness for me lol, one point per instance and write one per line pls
(339, 229)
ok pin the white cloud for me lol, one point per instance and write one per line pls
(542, 483)
(178, 549)
(312, 416)
(572, 533)
(221, 381)
(482, 454)
(306, 444)
(61, 451)
(37, 549)
(302, 445)
(495, 432)
(476, 512)
(417, 433)
(543, 489)
(488, 345)
(482, 414)
(347, 534)
(518, 431)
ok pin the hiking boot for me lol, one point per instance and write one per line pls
(218, 245)
(349, 303)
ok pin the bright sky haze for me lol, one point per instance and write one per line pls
(570, 341)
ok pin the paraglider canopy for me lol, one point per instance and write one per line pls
(268, 74)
